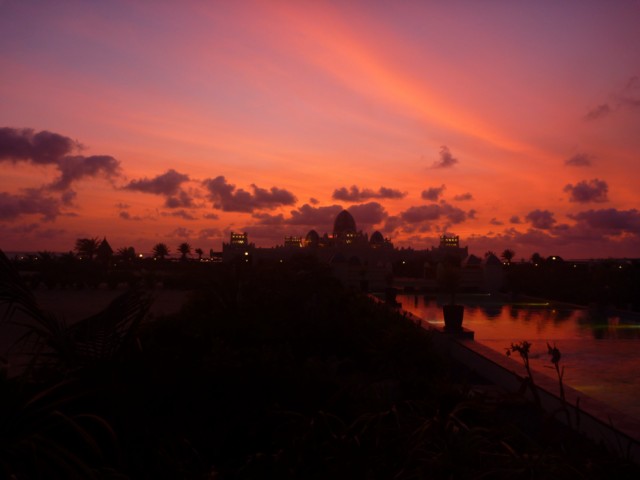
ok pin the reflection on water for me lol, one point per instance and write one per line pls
(600, 349)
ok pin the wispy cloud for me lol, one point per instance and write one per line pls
(446, 160)
(596, 113)
(579, 160)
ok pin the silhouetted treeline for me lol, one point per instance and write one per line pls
(605, 282)
(69, 271)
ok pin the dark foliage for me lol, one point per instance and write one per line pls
(267, 372)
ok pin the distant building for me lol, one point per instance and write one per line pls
(293, 242)
(104, 251)
(239, 239)
(449, 247)
(449, 241)
(367, 263)
(238, 248)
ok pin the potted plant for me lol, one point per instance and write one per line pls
(449, 276)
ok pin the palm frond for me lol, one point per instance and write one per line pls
(104, 335)
(16, 296)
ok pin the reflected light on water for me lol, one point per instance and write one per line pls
(600, 350)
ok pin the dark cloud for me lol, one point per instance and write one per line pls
(316, 217)
(542, 219)
(314, 201)
(25, 145)
(515, 219)
(432, 213)
(433, 193)
(68, 197)
(368, 214)
(32, 202)
(167, 183)
(354, 194)
(181, 200)
(78, 167)
(211, 216)
(463, 197)
(392, 224)
(610, 232)
(426, 218)
(579, 160)
(421, 213)
(447, 160)
(319, 218)
(598, 112)
(495, 221)
(611, 221)
(272, 198)
(48, 148)
(127, 216)
(472, 213)
(588, 191)
(268, 219)
(226, 197)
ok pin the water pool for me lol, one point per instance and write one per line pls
(600, 350)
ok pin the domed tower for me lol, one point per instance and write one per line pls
(376, 240)
(312, 239)
(344, 228)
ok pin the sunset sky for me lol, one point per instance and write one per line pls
(511, 124)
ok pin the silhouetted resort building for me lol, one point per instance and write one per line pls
(449, 241)
(239, 240)
(355, 258)
(359, 261)
(295, 242)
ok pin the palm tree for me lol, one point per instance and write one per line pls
(184, 249)
(127, 254)
(537, 259)
(160, 250)
(46, 256)
(200, 252)
(507, 256)
(87, 247)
